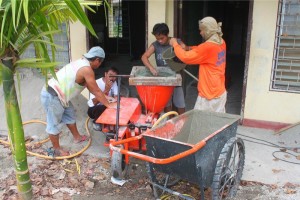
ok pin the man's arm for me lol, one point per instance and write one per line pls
(108, 85)
(145, 59)
(92, 86)
(194, 56)
(109, 99)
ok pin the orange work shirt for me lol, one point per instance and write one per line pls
(211, 58)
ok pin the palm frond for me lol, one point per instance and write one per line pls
(13, 10)
(25, 9)
(31, 22)
(4, 26)
(36, 63)
(76, 8)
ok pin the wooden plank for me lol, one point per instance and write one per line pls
(287, 127)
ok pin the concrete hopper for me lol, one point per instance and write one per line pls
(154, 91)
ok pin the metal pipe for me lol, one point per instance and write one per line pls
(118, 108)
(118, 102)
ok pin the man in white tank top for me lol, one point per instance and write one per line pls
(71, 80)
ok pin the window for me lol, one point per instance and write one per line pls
(286, 62)
(115, 19)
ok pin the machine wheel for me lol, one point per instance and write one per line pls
(118, 166)
(229, 169)
(160, 178)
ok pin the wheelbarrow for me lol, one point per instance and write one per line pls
(200, 147)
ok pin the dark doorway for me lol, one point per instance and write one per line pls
(121, 51)
(234, 18)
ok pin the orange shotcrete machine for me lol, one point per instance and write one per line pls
(129, 120)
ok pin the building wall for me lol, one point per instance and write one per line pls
(261, 104)
(78, 40)
(159, 12)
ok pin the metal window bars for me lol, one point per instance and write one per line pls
(286, 61)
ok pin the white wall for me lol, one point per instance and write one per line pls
(78, 40)
(159, 11)
(260, 102)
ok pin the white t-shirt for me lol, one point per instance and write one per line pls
(101, 85)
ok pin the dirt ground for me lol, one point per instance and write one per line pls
(61, 180)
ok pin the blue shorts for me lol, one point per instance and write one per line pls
(178, 98)
(57, 115)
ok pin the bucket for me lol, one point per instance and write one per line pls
(173, 62)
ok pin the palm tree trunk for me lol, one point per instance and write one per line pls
(16, 131)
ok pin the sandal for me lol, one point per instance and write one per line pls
(56, 152)
(59, 152)
(82, 139)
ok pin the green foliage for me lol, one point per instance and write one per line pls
(31, 22)
(25, 23)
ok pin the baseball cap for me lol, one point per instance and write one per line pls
(95, 52)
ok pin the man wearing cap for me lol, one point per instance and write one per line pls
(211, 58)
(70, 82)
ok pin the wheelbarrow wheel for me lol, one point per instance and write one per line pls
(165, 180)
(229, 169)
(119, 168)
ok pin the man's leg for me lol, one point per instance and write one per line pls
(90, 113)
(178, 99)
(168, 109)
(218, 104)
(54, 112)
(97, 111)
(74, 131)
(69, 119)
(180, 110)
(55, 143)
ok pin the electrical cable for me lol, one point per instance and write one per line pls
(43, 141)
(298, 163)
(270, 144)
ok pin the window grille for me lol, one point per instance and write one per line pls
(115, 19)
(286, 62)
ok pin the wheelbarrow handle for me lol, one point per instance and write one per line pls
(161, 161)
(113, 144)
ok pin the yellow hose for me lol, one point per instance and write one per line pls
(82, 150)
(43, 141)
(164, 116)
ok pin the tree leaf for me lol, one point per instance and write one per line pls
(35, 63)
(25, 9)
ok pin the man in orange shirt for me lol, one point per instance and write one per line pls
(211, 57)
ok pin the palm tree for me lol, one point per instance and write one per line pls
(25, 23)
